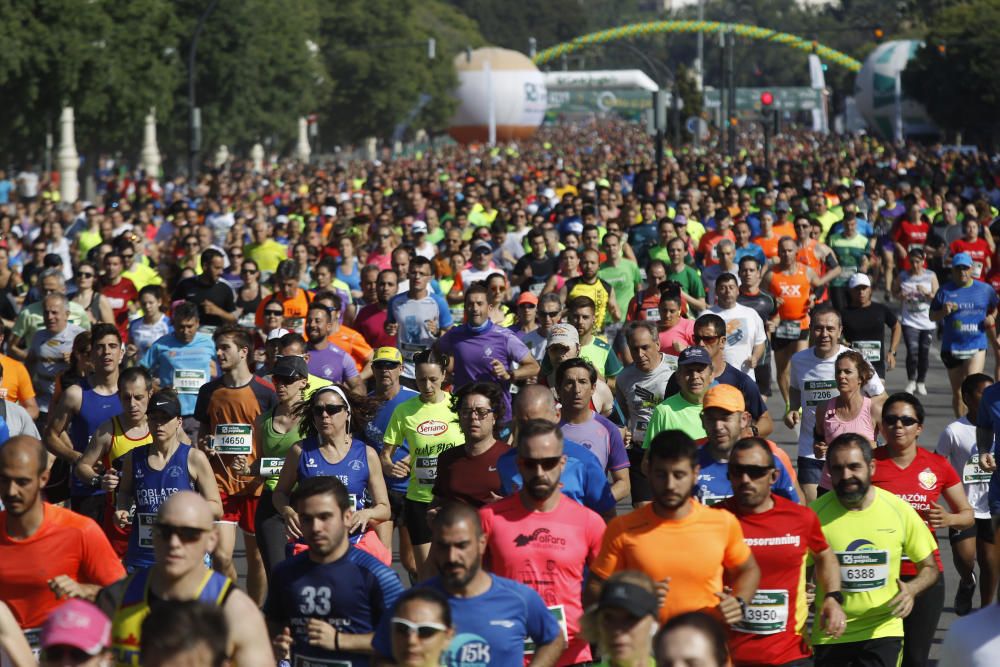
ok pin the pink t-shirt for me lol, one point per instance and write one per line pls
(833, 426)
(546, 551)
(682, 331)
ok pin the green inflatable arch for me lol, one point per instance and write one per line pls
(656, 27)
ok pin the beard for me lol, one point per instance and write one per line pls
(459, 578)
(850, 492)
(540, 489)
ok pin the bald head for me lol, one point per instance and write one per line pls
(186, 508)
(24, 448)
(535, 402)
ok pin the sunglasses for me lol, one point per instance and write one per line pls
(64, 654)
(547, 463)
(320, 410)
(401, 626)
(479, 413)
(753, 472)
(698, 340)
(85, 274)
(234, 255)
(281, 379)
(187, 534)
(273, 313)
(905, 420)
(385, 365)
(550, 313)
(385, 236)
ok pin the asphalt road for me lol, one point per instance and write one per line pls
(939, 415)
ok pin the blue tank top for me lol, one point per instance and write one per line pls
(352, 470)
(94, 411)
(151, 489)
(352, 279)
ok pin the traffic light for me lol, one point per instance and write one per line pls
(766, 99)
(878, 33)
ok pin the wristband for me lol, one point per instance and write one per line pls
(835, 595)
(95, 481)
(336, 639)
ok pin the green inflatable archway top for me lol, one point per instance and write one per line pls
(656, 27)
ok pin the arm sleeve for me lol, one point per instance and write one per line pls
(737, 551)
(945, 443)
(760, 335)
(347, 365)
(509, 479)
(609, 558)
(99, 565)
(382, 641)
(612, 365)
(890, 317)
(937, 303)
(816, 540)
(539, 623)
(393, 435)
(654, 427)
(984, 417)
(595, 535)
(387, 590)
(25, 390)
(201, 403)
(617, 456)
(516, 350)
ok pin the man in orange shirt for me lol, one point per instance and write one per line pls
(681, 544)
(15, 384)
(47, 554)
(723, 230)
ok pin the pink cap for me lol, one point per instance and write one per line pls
(79, 624)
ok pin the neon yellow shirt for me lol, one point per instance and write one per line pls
(675, 413)
(429, 429)
(267, 254)
(869, 545)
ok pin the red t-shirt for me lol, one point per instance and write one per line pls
(370, 323)
(909, 234)
(471, 479)
(644, 306)
(66, 543)
(919, 484)
(120, 295)
(979, 250)
(547, 551)
(780, 540)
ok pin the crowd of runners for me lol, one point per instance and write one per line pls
(501, 406)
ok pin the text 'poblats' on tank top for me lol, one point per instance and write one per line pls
(151, 488)
(95, 409)
(352, 470)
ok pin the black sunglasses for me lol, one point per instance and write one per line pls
(274, 313)
(85, 274)
(753, 472)
(550, 313)
(320, 410)
(547, 463)
(187, 534)
(905, 420)
(64, 654)
(704, 339)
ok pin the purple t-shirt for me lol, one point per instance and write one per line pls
(474, 354)
(331, 364)
(602, 438)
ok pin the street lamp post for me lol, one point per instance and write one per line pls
(194, 126)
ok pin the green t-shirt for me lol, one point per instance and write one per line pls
(599, 353)
(625, 278)
(274, 447)
(690, 281)
(675, 413)
(869, 545)
(850, 252)
(429, 429)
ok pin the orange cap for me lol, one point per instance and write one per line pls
(725, 397)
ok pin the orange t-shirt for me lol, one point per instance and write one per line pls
(353, 343)
(807, 255)
(706, 247)
(296, 310)
(794, 292)
(16, 385)
(66, 543)
(694, 552)
(769, 246)
(786, 229)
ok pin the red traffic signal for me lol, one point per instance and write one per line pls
(766, 98)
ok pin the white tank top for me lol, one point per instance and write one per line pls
(916, 305)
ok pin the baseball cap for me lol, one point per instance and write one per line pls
(962, 259)
(725, 397)
(482, 245)
(634, 599)
(329, 211)
(563, 334)
(527, 297)
(277, 333)
(694, 355)
(858, 280)
(165, 402)
(78, 624)
(680, 219)
(858, 183)
(387, 355)
(281, 220)
(419, 227)
(290, 366)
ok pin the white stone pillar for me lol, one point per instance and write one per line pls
(257, 157)
(150, 156)
(67, 159)
(222, 156)
(302, 149)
